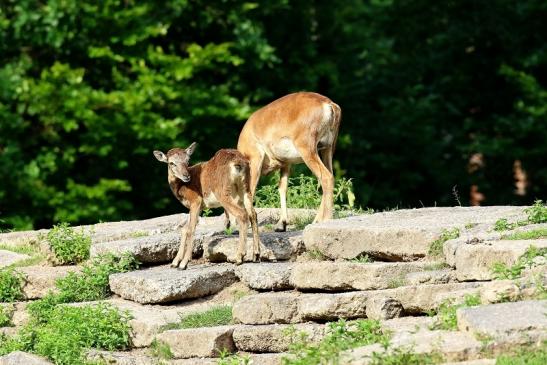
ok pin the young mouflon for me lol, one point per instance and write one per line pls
(223, 181)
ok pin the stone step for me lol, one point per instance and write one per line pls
(475, 261)
(402, 235)
(473, 362)
(340, 275)
(165, 284)
(8, 258)
(505, 319)
(271, 276)
(275, 246)
(23, 358)
(274, 338)
(198, 342)
(39, 280)
(294, 307)
(430, 277)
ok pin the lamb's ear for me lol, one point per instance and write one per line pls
(160, 156)
(191, 148)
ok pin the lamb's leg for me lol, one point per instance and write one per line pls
(186, 247)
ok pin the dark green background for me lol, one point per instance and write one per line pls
(89, 88)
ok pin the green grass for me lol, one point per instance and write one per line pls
(233, 359)
(397, 282)
(436, 247)
(68, 245)
(161, 350)
(315, 254)
(536, 214)
(528, 235)
(69, 331)
(5, 315)
(446, 312)
(11, 284)
(362, 259)
(216, 316)
(525, 356)
(138, 234)
(340, 336)
(502, 271)
(36, 256)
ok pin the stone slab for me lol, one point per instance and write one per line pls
(401, 235)
(430, 277)
(39, 280)
(266, 276)
(8, 258)
(23, 358)
(339, 275)
(274, 338)
(165, 284)
(198, 342)
(504, 319)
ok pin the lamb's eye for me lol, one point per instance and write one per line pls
(172, 164)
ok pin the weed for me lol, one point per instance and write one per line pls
(226, 358)
(138, 234)
(11, 284)
(300, 222)
(436, 247)
(525, 356)
(362, 259)
(471, 225)
(537, 213)
(315, 254)
(161, 350)
(446, 312)
(68, 246)
(527, 235)
(216, 316)
(401, 356)
(5, 315)
(228, 231)
(503, 224)
(397, 282)
(340, 336)
(502, 271)
(436, 266)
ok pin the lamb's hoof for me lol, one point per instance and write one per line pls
(280, 227)
(256, 257)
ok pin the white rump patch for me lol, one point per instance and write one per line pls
(285, 150)
(211, 201)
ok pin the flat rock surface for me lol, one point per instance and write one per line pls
(23, 358)
(398, 235)
(430, 277)
(275, 246)
(165, 284)
(328, 275)
(274, 338)
(265, 276)
(8, 258)
(198, 342)
(504, 319)
(39, 280)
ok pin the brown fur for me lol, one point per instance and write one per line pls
(226, 176)
(301, 119)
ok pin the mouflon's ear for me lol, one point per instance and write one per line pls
(191, 148)
(160, 156)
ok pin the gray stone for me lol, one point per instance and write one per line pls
(255, 359)
(504, 319)
(17, 312)
(165, 284)
(400, 235)
(499, 291)
(198, 342)
(475, 261)
(383, 308)
(328, 275)
(408, 324)
(8, 258)
(23, 358)
(119, 358)
(267, 308)
(274, 338)
(39, 280)
(270, 276)
(331, 307)
(275, 246)
(430, 277)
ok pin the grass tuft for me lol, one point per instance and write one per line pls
(436, 247)
(527, 235)
(68, 245)
(6, 313)
(317, 255)
(161, 350)
(216, 316)
(362, 259)
(502, 271)
(537, 213)
(525, 356)
(446, 312)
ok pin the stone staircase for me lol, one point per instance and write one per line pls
(368, 266)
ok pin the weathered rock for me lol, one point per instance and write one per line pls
(503, 319)
(328, 275)
(408, 324)
(119, 358)
(399, 235)
(499, 291)
(198, 342)
(16, 312)
(267, 308)
(475, 261)
(258, 359)
(330, 307)
(275, 246)
(23, 358)
(165, 284)
(274, 338)
(39, 280)
(271, 276)
(473, 362)
(8, 258)
(430, 277)
(383, 308)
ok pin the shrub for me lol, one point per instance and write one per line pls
(68, 246)
(5, 316)
(11, 284)
(537, 213)
(446, 312)
(436, 247)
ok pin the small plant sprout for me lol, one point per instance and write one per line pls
(436, 247)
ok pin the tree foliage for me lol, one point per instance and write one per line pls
(89, 88)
